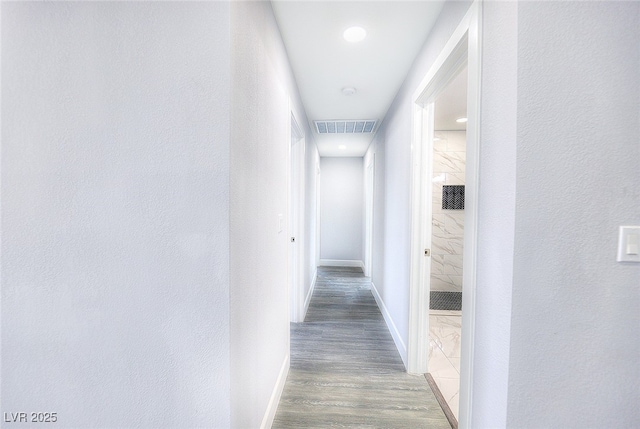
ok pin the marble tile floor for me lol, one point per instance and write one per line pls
(345, 370)
(444, 354)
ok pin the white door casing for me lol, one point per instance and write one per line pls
(368, 226)
(296, 222)
(463, 48)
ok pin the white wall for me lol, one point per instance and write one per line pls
(263, 95)
(555, 314)
(125, 303)
(115, 195)
(342, 209)
(576, 311)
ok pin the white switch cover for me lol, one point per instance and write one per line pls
(280, 223)
(629, 244)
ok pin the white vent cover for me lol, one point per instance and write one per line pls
(346, 126)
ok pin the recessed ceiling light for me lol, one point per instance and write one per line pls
(354, 34)
(461, 120)
(342, 147)
(349, 90)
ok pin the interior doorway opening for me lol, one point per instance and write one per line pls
(462, 50)
(369, 193)
(448, 158)
(295, 224)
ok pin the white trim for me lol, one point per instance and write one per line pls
(317, 206)
(341, 263)
(450, 50)
(393, 330)
(472, 187)
(301, 242)
(291, 289)
(463, 46)
(307, 300)
(369, 207)
(272, 407)
(297, 130)
(296, 218)
(418, 347)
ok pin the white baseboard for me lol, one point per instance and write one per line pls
(307, 300)
(270, 414)
(341, 263)
(397, 339)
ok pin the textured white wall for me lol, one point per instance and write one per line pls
(342, 208)
(576, 311)
(263, 94)
(115, 213)
(561, 81)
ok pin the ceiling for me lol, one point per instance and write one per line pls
(451, 104)
(324, 62)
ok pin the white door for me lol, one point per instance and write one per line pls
(295, 223)
(368, 231)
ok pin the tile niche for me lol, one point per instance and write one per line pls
(449, 156)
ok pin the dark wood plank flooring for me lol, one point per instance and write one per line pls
(345, 369)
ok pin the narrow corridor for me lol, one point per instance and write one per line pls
(345, 369)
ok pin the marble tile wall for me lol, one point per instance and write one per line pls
(449, 159)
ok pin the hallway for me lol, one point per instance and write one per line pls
(345, 369)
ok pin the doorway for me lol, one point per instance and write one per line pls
(368, 224)
(448, 157)
(295, 224)
(462, 50)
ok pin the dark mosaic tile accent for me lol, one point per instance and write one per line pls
(445, 301)
(453, 197)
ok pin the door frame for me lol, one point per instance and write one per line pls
(369, 197)
(463, 47)
(318, 209)
(296, 223)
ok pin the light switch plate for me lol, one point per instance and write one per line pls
(629, 244)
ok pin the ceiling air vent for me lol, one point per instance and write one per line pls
(345, 127)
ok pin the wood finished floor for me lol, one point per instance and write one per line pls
(345, 369)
